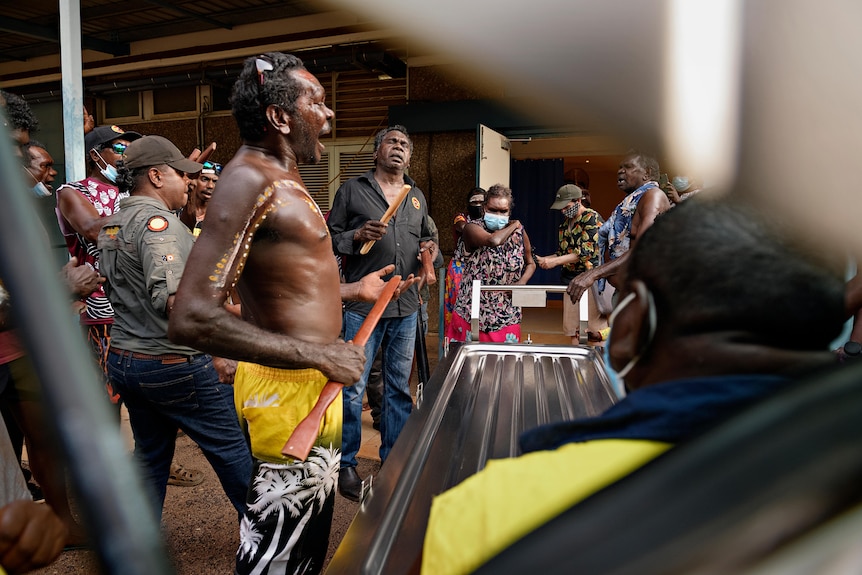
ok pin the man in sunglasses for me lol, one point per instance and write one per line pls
(80, 209)
(202, 192)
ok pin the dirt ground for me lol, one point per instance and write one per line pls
(200, 525)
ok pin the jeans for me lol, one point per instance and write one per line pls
(165, 396)
(396, 337)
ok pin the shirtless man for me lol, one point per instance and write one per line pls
(267, 238)
(202, 192)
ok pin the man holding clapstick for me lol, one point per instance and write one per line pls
(377, 219)
(265, 236)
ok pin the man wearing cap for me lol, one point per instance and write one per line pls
(578, 252)
(202, 192)
(165, 386)
(80, 209)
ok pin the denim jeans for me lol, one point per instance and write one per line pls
(163, 397)
(396, 337)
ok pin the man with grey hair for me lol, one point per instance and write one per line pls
(644, 201)
(357, 209)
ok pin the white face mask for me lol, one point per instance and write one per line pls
(617, 377)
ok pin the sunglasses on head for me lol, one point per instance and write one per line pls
(215, 167)
(262, 64)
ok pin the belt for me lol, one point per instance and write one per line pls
(166, 358)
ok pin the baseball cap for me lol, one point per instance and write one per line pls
(104, 134)
(566, 194)
(156, 150)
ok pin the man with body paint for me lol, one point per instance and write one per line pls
(266, 237)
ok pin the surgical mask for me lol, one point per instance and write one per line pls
(571, 211)
(681, 183)
(40, 190)
(475, 212)
(494, 222)
(109, 171)
(617, 378)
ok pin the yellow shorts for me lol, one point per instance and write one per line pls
(270, 403)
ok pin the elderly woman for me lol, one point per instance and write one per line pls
(499, 253)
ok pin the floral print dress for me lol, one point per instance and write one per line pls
(499, 320)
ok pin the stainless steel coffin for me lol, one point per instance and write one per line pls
(477, 402)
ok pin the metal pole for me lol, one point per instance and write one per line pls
(119, 518)
(73, 89)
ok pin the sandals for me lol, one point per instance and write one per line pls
(182, 477)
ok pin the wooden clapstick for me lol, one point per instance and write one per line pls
(302, 439)
(393, 207)
(429, 274)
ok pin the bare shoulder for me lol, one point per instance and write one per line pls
(655, 197)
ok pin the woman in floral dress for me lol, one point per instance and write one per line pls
(498, 254)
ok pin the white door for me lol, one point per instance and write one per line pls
(492, 157)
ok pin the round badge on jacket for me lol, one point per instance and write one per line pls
(416, 203)
(157, 224)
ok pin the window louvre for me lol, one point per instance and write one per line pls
(354, 164)
(316, 179)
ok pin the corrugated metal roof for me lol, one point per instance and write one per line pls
(31, 28)
(479, 400)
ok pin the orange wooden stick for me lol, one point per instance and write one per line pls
(302, 439)
(429, 274)
(390, 211)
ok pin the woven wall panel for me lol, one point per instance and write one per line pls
(223, 131)
(183, 133)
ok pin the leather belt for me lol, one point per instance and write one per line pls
(166, 358)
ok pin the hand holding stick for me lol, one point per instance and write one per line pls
(393, 207)
(300, 442)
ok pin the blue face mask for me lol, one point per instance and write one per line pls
(681, 183)
(494, 222)
(617, 377)
(110, 173)
(40, 190)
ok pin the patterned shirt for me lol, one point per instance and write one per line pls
(106, 199)
(620, 222)
(501, 265)
(581, 238)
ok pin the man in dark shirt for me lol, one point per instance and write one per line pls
(354, 219)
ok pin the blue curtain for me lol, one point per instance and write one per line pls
(534, 187)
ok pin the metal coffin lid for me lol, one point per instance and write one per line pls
(476, 404)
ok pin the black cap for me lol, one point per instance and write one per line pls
(104, 134)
